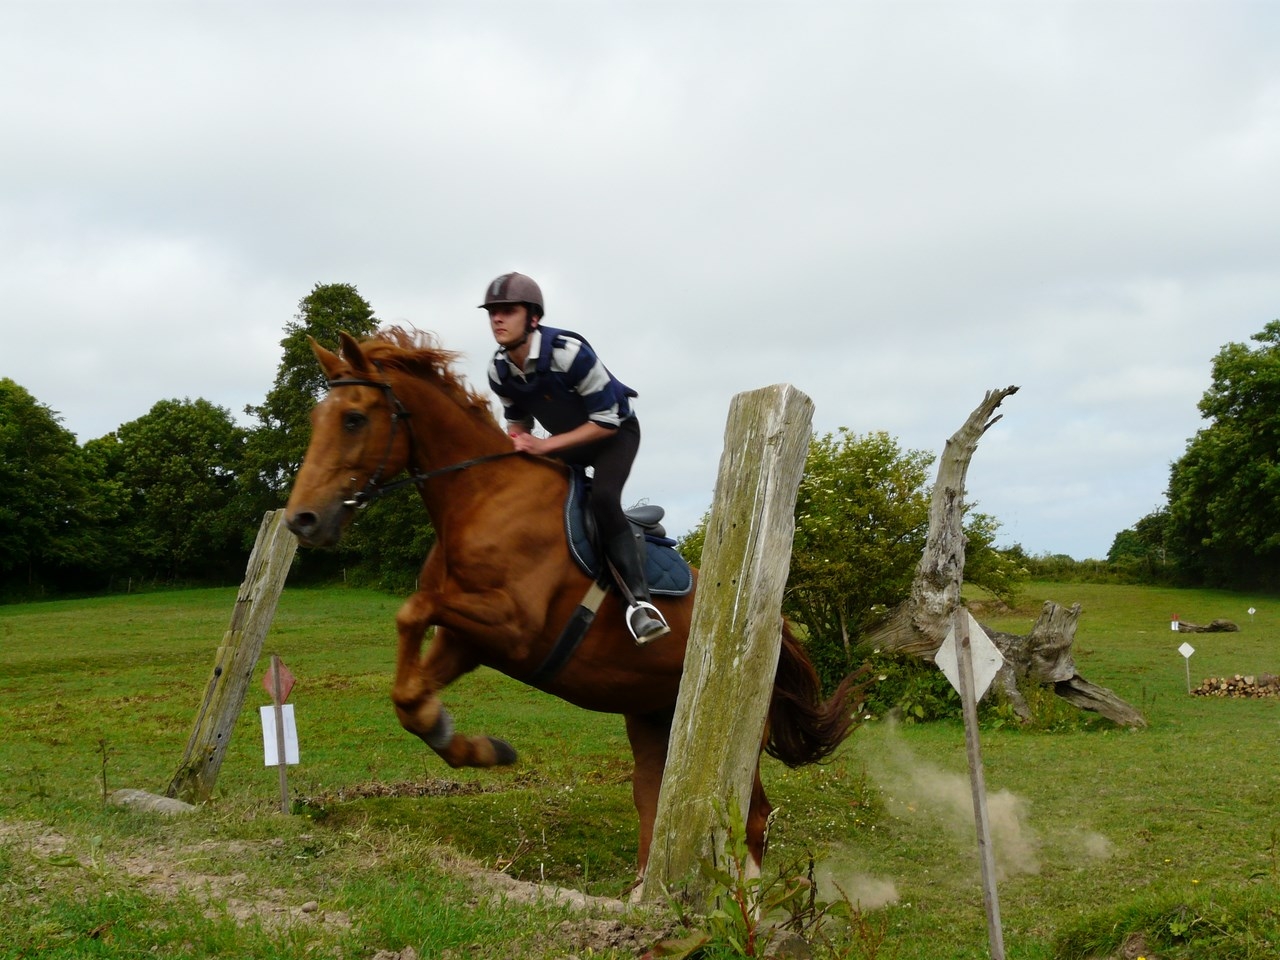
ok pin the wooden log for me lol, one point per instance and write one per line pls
(235, 660)
(734, 640)
(1079, 692)
(1213, 626)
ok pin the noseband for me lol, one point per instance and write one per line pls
(374, 487)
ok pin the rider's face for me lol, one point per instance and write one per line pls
(508, 322)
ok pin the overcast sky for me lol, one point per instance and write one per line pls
(891, 206)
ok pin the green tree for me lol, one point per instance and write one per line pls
(388, 542)
(862, 516)
(998, 570)
(54, 500)
(178, 466)
(1141, 550)
(279, 440)
(1224, 491)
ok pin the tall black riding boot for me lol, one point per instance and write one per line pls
(644, 620)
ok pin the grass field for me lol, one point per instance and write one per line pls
(1166, 840)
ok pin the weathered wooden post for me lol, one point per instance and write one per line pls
(734, 637)
(235, 660)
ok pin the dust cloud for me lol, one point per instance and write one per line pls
(837, 878)
(920, 792)
(915, 790)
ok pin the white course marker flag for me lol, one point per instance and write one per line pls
(1187, 650)
(269, 735)
(987, 660)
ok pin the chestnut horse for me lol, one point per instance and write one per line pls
(499, 584)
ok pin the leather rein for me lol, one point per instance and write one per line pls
(374, 488)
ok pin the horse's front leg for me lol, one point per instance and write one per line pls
(648, 736)
(419, 679)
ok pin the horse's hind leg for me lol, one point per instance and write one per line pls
(649, 736)
(757, 824)
(416, 692)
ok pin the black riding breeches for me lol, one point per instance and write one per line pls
(611, 459)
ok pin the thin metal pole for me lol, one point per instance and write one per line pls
(969, 704)
(276, 687)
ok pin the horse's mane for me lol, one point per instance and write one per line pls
(419, 354)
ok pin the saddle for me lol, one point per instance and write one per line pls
(667, 572)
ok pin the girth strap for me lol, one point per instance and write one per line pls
(571, 635)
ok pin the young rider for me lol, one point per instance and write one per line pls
(554, 377)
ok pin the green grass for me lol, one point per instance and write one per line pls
(1168, 834)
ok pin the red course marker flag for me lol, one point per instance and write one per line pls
(286, 684)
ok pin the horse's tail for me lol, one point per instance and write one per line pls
(803, 728)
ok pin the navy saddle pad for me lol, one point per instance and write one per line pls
(667, 572)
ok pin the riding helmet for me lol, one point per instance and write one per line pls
(513, 288)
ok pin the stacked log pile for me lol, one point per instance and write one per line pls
(1266, 685)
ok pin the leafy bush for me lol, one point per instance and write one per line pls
(919, 691)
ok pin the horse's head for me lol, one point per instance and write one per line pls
(354, 445)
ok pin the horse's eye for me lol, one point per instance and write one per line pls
(353, 420)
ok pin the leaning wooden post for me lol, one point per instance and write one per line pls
(734, 638)
(235, 660)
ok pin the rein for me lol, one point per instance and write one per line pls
(375, 488)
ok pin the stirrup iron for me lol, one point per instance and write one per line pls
(653, 615)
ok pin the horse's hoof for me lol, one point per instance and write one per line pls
(504, 754)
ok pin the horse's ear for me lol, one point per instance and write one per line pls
(352, 353)
(329, 361)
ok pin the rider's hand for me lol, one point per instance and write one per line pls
(528, 443)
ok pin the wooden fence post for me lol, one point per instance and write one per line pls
(734, 638)
(235, 660)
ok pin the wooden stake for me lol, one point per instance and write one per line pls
(235, 661)
(734, 639)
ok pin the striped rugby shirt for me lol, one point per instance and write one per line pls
(562, 389)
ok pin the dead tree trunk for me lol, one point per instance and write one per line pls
(1044, 656)
(919, 624)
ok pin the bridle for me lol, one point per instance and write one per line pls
(374, 488)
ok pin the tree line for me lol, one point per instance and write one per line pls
(177, 495)
(1220, 523)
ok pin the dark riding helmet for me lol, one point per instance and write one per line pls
(514, 288)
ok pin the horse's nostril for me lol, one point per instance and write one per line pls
(303, 523)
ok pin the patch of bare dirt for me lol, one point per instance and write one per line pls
(165, 872)
(166, 876)
(403, 788)
(1134, 948)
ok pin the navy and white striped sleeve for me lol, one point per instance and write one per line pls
(602, 396)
